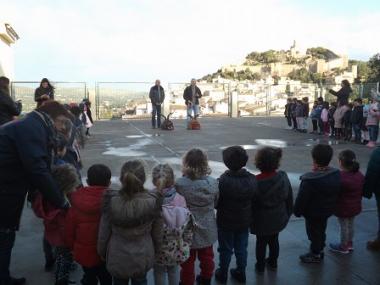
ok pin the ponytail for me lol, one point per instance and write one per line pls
(132, 178)
(348, 161)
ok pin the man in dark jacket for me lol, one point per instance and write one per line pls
(372, 186)
(357, 119)
(191, 95)
(8, 108)
(157, 97)
(237, 187)
(26, 148)
(316, 200)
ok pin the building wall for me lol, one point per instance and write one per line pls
(7, 39)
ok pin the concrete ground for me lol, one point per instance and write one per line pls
(114, 142)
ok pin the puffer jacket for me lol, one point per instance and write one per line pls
(236, 192)
(125, 233)
(318, 193)
(349, 203)
(82, 224)
(273, 204)
(201, 197)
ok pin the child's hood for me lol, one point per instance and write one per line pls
(320, 174)
(88, 199)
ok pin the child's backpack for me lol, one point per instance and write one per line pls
(177, 235)
(194, 123)
(167, 124)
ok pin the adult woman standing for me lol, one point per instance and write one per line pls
(8, 108)
(44, 93)
(343, 94)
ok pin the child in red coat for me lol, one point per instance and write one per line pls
(349, 203)
(54, 220)
(82, 224)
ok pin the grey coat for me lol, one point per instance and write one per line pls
(125, 233)
(201, 197)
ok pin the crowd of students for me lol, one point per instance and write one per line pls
(356, 121)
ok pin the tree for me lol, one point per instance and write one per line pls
(374, 68)
(321, 53)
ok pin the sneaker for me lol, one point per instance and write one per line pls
(259, 268)
(311, 258)
(339, 248)
(221, 276)
(374, 245)
(271, 265)
(350, 246)
(202, 281)
(14, 281)
(238, 275)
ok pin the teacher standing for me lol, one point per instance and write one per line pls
(157, 97)
(44, 93)
(191, 95)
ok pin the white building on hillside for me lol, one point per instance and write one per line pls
(8, 37)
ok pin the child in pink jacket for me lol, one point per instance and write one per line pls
(373, 123)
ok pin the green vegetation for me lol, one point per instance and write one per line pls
(321, 53)
(240, 75)
(267, 57)
(374, 68)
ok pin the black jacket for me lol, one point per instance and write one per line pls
(8, 108)
(25, 158)
(236, 191)
(342, 95)
(153, 95)
(357, 115)
(273, 205)
(346, 121)
(42, 91)
(372, 181)
(188, 95)
(318, 194)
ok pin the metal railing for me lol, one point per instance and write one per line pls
(65, 92)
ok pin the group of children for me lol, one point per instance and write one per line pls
(354, 121)
(117, 236)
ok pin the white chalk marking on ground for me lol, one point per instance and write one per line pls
(271, 142)
(132, 150)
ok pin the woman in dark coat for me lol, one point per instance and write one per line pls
(8, 108)
(343, 93)
(44, 93)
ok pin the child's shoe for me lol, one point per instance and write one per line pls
(371, 144)
(260, 267)
(271, 264)
(203, 281)
(350, 246)
(312, 258)
(221, 276)
(374, 245)
(238, 275)
(340, 248)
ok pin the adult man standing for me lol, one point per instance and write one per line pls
(191, 94)
(157, 97)
(26, 154)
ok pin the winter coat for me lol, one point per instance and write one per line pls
(26, 149)
(349, 203)
(82, 224)
(8, 108)
(325, 115)
(288, 110)
(188, 95)
(201, 197)
(331, 111)
(346, 121)
(125, 233)
(316, 112)
(357, 115)
(300, 110)
(273, 204)
(236, 192)
(342, 95)
(372, 181)
(173, 230)
(306, 109)
(373, 115)
(318, 193)
(155, 98)
(43, 91)
(53, 218)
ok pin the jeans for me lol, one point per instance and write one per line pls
(321, 126)
(316, 232)
(261, 248)
(160, 274)
(294, 119)
(358, 132)
(373, 133)
(346, 230)
(190, 109)
(7, 240)
(315, 124)
(135, 281)
(156, 111)
(93, 275)
(233, 242)
(206, 263)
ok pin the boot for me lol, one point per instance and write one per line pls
(238, 275)
(203, 281)
(221, 276)
(374, 245)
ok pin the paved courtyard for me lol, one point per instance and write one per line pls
(114, 142)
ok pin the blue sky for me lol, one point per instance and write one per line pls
(140, 40)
